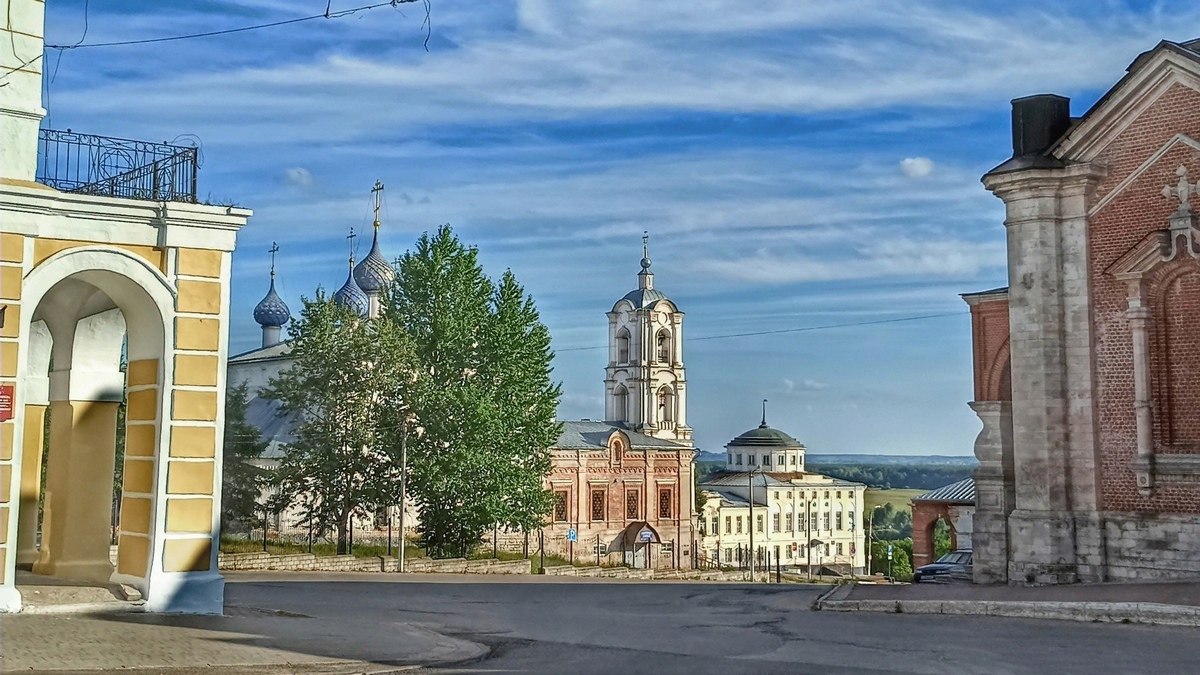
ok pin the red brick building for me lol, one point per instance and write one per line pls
(624, 486)
(1087, 367)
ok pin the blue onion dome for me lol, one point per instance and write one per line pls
(272, 311)
(350, 295)
(373, 273)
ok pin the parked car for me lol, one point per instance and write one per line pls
(953, 565)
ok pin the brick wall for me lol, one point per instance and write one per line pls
(1116, 228)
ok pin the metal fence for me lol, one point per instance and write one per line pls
(117, 167)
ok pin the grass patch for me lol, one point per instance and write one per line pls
(899, 499)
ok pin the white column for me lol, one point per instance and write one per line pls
(1139, 316)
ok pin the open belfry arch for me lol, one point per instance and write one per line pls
(111, 290)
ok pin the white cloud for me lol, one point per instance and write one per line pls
(598, 57)
(298, 177)
(916, 167)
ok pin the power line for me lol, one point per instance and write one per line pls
(804, 329)
(324, 15)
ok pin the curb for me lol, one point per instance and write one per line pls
(1150, 613)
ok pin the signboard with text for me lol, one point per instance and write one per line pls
(6, 402)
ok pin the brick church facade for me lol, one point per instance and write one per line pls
(1087, 366)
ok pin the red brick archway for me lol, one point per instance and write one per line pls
(925, 516)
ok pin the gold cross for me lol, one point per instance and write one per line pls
(378, 192)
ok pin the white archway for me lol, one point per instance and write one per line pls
(84, 302)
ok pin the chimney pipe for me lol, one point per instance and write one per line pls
(1038, 121)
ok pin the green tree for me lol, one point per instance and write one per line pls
(242, 479)
(349, 376)
(901, 563)
(486, 401)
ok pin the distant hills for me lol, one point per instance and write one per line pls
(871, 460)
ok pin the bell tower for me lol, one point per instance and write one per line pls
(645, 386)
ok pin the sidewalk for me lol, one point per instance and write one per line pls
(1164, 603)
(244, 641)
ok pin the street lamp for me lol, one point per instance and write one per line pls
(871, 539)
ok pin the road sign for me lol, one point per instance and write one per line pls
(645, 535)
(889, 551)
(572, 535)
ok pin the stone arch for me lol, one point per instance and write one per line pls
(95, 301)
(622, 345)
(1174, 375)
(665, 403)
(663, 348)
(621, 403)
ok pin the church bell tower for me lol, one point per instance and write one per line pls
(644, 386)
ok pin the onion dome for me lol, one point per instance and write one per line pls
(350, 295)
(373, 274)
(272, 311)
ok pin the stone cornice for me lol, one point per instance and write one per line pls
(37, 211)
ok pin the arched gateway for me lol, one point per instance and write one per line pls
(114, 287)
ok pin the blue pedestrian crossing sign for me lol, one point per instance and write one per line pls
(572, 535)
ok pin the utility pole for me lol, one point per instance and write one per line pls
(403, 481)
(871, 539)
(750, 500)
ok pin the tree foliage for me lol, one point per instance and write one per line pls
(901, 563)
(242, 479)
(485, 401)
(896, 476)
(349, 378)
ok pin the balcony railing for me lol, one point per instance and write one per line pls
(117, 167)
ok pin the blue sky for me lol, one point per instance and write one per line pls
(797, 164)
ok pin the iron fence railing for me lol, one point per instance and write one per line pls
(117, 167)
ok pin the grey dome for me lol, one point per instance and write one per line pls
(373, 273)
(350, 295)
(765, 437)
(641, 298)
(272, 310)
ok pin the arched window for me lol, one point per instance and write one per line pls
(621, 404)
(666, 404)
(664, 346)
(623, 346)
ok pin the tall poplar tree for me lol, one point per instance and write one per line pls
(486, 402)
(349, 375)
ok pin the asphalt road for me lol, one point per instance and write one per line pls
(537, 625)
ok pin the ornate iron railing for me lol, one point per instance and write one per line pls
(117, 167)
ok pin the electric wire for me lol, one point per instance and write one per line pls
(324, 15)
(803, 329)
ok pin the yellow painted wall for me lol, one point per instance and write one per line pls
(133, 555)
(197, 334)
(198, 263)
(190, 478)
(140, 440)
(189, 515)
(192, 370)
(193, 441)
(139, 476)
(44, 248)
(8, 359)
(6, 440)
(187, 555)
(12, 319)
(12, 247)
(135, 515)
(200, 297)
(142, 406)
(10, 282)
(195, 406)
(142, 372)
